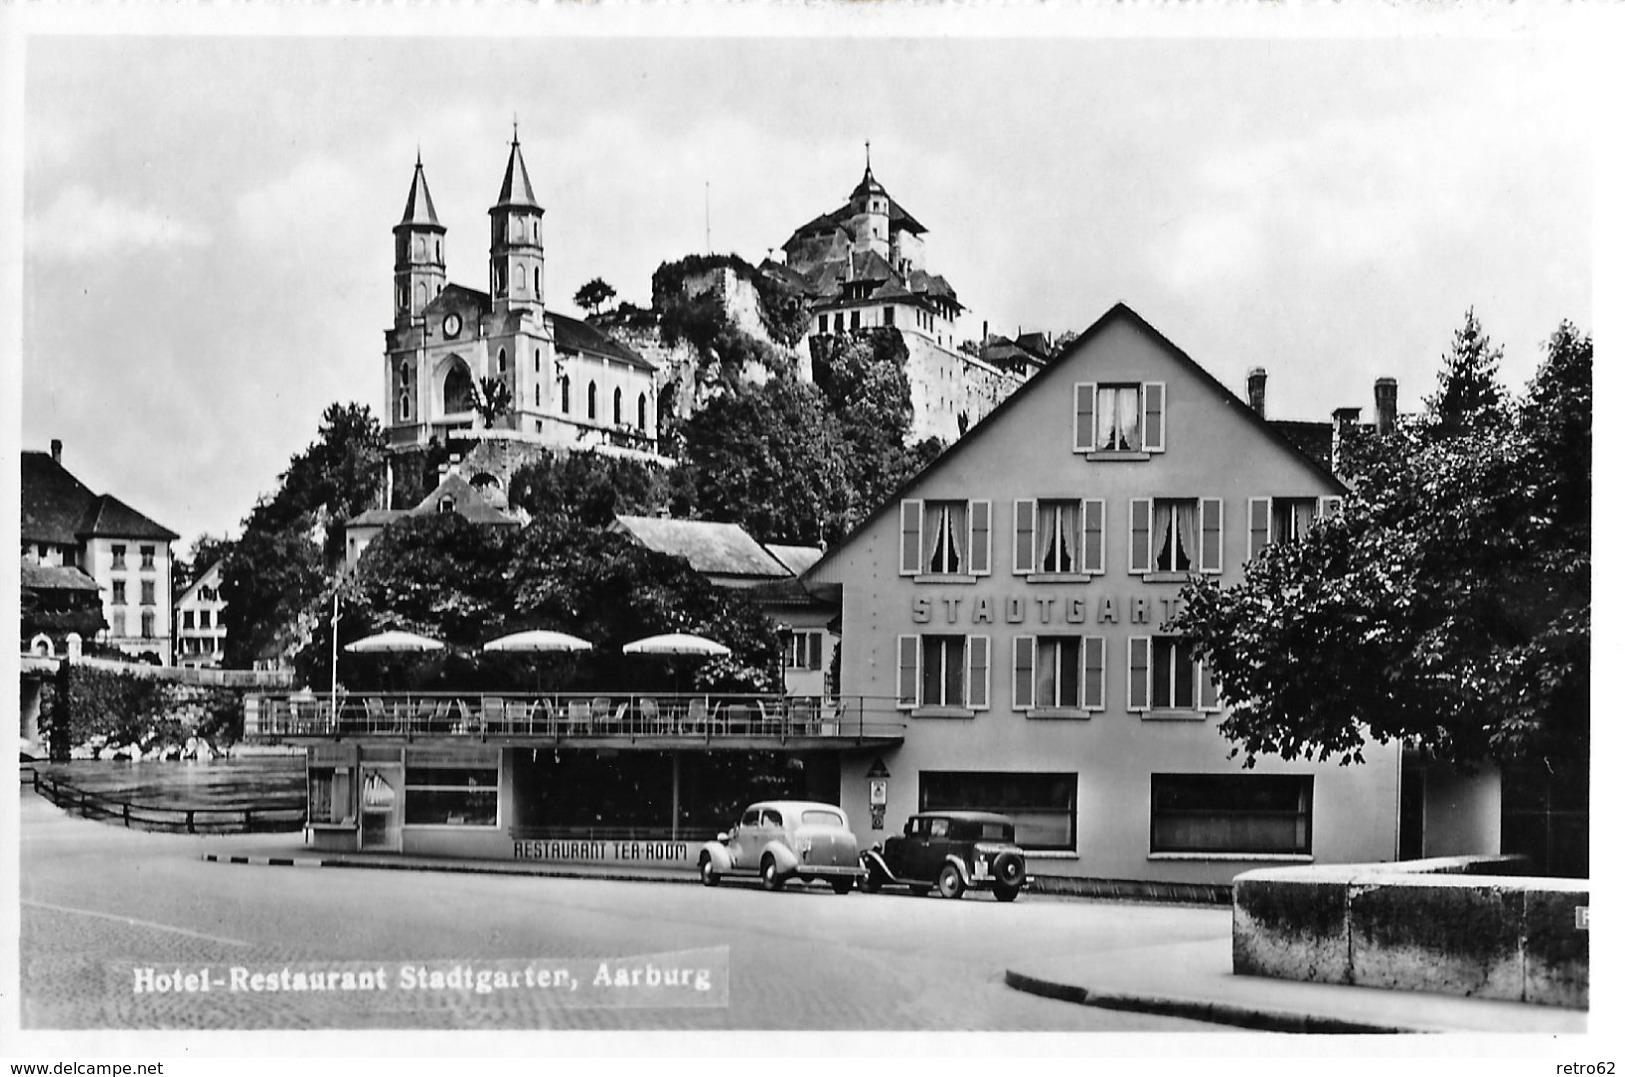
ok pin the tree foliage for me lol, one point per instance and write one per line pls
(587, 488)
(466, 584)
(1469, 397)
(267, 579)
(492, 399)
(336, 476)
(1448, 605)
(594, 294)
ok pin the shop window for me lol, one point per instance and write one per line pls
(1123, 419)
(1176, 535)
(1231, 814)
(1059, 673)
(1284, 519)
(1059, 537)
(1164, 674)
(806, 650)
(946, 538)
(451, 796)
(330, 795)
(1044, 806)
(942, 672)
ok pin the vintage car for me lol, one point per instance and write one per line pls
(779, 840)
(950, 850)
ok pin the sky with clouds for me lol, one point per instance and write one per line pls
(206, 220)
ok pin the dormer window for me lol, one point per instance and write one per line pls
(448, 504)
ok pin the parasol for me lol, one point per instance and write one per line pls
(676, 643)
(538, 641)
(393, 642)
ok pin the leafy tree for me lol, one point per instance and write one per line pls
(769, 458)
(1469, 395)
(587, 488)
(1448, 605)
(594, 294)
(205, 551)
(492, 399)
(268, 578)
(337, 476)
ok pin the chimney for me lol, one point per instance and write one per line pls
(56, 449)
(1387, 393)
(1255, 389)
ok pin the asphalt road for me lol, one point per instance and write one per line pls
(101, 904)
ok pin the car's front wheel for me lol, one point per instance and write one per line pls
(950, 883)
(708, 870)
(772, 877)
(1006, 893)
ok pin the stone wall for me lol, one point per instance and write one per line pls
(1456, 926)
(948, 388)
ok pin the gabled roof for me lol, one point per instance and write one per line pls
(419, 206)
(516, 182)
(1119, 312)
(59, 509)
(797, 559)
(471, 504)
(212, 572)
(37, 577)
(376, 518)
(711, 548)
(574, 335)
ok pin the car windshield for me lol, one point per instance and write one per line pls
(821, 817)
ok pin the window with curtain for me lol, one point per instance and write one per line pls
(1174, 674)
(1173, 534)
(1117, 418)
(1290, 518)
(942, 671)
(945, 537)
(1058, 549)
(1056, 663)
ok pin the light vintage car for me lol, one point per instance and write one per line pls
(951, 851)
(779, 840)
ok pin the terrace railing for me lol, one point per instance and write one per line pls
(272, 814)
(582, 716)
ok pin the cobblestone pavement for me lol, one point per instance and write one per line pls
(100, 902)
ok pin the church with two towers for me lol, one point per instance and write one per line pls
(496, 366)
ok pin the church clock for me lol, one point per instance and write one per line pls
(452, 325)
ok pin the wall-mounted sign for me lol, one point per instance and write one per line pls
(1044, 609)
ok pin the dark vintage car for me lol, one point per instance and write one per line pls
(952, 851)
(779, 840)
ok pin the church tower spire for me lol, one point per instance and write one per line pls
(517, 259)
(420, 260)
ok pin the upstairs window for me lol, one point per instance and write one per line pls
(1284, 519)
(946, 538)
(117, 550)
(1059, 673)
(118, 593)
(1165, 675)
(592, 400)
(564, 394)
(942, 672)
(806, 650)
(1176, 535)
(1117, 418)
(186, 619)
(148, 556)
(1059, 537)
(149, 593)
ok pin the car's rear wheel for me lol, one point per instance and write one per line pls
(772, 878)
(842, 886)
(950, 883)
(708, 870)
(1006, 893)
(1009, 870)
(872, 882)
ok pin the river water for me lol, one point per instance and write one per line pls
(218, 783)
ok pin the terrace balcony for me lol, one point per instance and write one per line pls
(643, 720)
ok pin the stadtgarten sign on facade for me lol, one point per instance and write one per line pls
(1045, 609)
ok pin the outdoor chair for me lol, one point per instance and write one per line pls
(697, 717)
(493, 714)
(738, 718)
(580, 716)
(649, 715)
(377, 717)
(801, 716)
(540, 715)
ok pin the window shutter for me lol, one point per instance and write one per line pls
(1083, 416)
(912, 511)
(976, 684)
(1094, 535)
(1026, 512)
(1207, 693)
(815, 650)
(1139, 535)
(1212, 511)
(1155, 396)
(1258, 525)
(1139, 673)
(1021, 680)
(1331, 506)
(1094, 673)
(908, 670)
(981, 538)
